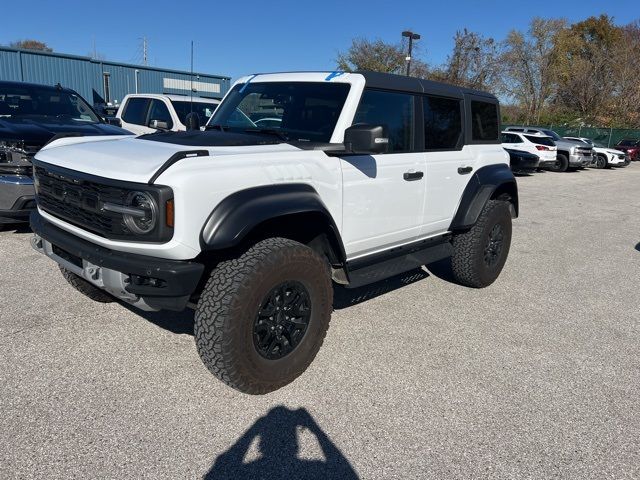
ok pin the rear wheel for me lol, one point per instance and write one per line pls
(480, 253)
(263, 316)
(562, 163)
(84, 287)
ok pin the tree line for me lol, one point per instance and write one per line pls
(585, 73)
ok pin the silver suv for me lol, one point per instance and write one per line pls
(571, 154)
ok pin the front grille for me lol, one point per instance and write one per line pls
(583, 151)
(79, 202)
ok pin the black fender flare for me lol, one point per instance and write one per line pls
(236, 215)
(479, 190)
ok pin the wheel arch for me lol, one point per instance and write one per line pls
(292, 210)
(488, 183)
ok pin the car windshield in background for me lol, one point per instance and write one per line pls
(185, 107)
(552, 134)
(298, 111)
(540, 140)
(24, 101)
(629, 143)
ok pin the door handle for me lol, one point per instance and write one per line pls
(464, 170)
(410, 176)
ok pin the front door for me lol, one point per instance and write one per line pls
(383, 195)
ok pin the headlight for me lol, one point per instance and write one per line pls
(141, 213)
(572, 150)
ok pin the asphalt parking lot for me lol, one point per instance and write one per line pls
(537, 376)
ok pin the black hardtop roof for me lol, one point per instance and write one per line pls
(6, 83)
(390, 81)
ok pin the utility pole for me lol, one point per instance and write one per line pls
(144, 50)
(411, 36)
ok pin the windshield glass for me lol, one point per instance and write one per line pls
(627, 143)
(540, 140)
(203, 109)
(26, 100)
(552, 134)
(302, 111)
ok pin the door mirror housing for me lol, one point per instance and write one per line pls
(159, 125)
(192, 121)
(113, 121)
(366, 139)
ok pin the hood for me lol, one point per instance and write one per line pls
(38, 130)
(572, 143)
(137, 159)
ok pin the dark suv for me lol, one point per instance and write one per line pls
(30, 116)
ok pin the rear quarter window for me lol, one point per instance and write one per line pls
(540, 140)
(484, 121)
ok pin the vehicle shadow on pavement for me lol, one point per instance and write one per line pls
(347, 297)
(16, 227)
(638, 247)
(442, 270)
(277, 435)
(180, 323)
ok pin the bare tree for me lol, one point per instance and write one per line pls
(529, 61)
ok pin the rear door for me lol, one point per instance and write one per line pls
(450, 164)
(383, 195)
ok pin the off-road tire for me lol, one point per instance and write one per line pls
(229, 304)
(561, 165)
(468, 260)
(601, 162)
(84, 287)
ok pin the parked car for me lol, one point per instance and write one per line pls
(535, 143)
(571, 154)
(30, 116)
(149, 113)
(604, 157)
(631, 146)
(522, 162)
(253, 235)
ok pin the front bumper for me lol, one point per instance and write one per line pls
(580, 160)
(16, 198)
(148, 283)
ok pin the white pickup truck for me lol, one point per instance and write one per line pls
(363, 176)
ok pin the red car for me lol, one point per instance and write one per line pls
(631, 146)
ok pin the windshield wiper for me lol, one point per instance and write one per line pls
(269, 131)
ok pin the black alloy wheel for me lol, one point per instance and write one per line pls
(282, 320)
(493, 248)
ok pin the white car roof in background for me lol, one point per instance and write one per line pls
(178, 98)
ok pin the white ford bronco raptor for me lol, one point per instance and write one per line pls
(359, 177)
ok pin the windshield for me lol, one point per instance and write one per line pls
(203, 109)
(302, 111)
(27, 100)
(540, 140)
(627, 143)
(552, 134)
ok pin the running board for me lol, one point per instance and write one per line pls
(374, 268)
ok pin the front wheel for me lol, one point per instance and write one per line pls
(601, 162)
(561, 165)
(263, 316)
(480, 253)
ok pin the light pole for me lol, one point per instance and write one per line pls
(411, 36)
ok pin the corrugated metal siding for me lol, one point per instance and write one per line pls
(86, 76)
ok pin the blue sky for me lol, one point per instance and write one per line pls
(240, 37)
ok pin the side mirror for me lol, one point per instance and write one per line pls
(192, 121)
(159, 125)
(366, 139)
(113, 121)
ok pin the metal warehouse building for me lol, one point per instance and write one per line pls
(101, 81)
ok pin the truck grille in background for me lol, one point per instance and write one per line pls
(79, 201)
(584, 151)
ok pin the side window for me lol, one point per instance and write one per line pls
(484, 121)
(442, 123)
(516, 139)
(395, 111)
(160, 112)
(136, 111)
